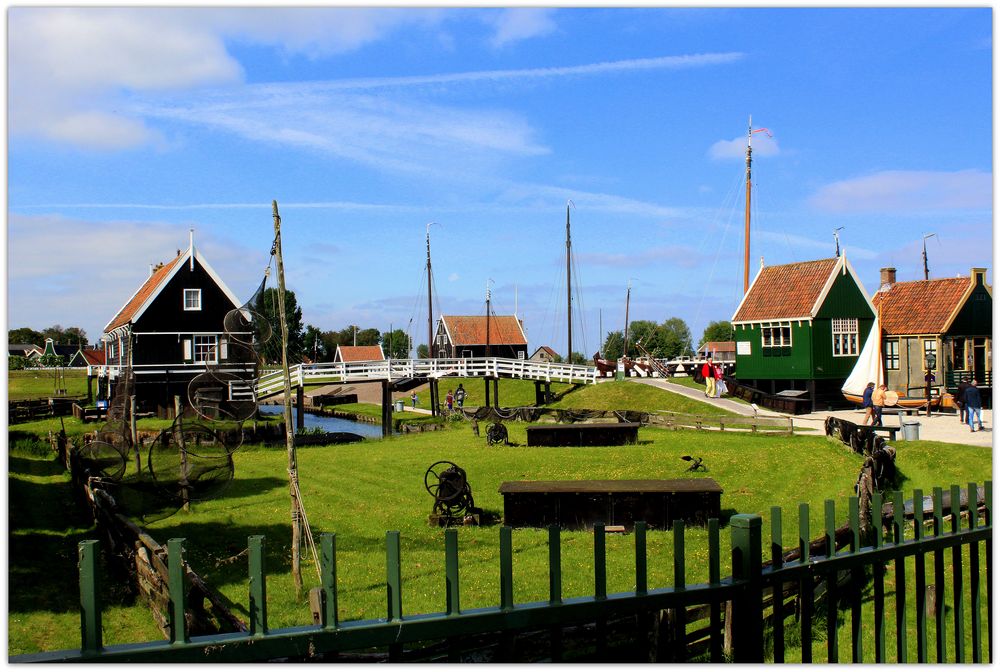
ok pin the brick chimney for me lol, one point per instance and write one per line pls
(888, 277)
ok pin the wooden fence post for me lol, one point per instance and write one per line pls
(748, 608)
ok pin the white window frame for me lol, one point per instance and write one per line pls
(781, 329)
(844, 332)
(206, 345)
(194, 294)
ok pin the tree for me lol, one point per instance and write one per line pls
(396, 344)
(613, 345)
(422, 351)
(315, 346)
(717, 331)
(677, 338)
(25, 335)
(578, 358)
(369, 336)
(267, 306)
(651, 336)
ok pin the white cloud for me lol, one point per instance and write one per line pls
(454, 277)
(763, 145)
(907, 191)
(514, 25)
(74, 272)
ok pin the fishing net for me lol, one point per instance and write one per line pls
(191, 462)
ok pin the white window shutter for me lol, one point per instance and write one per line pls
(188, 356)
(223, 348)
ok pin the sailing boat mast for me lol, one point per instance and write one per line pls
(628, 295)
(746, 228)
(430, 313)
(569, 293)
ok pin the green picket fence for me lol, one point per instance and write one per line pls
(755, 593)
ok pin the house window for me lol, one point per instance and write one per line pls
(891, 348)
(845, 337)
(206, 349)
(192, 299)
(958, 356)
(930, 348)
(776, 337)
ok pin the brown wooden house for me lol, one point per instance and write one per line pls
(467, 335)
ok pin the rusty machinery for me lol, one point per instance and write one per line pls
(453, 503)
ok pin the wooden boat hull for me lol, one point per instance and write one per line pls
(944, 401)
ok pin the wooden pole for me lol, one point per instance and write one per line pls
(293, 469)
(430, 305)
(179, 437)
(569, 296)
(135, 434)
(746, 230)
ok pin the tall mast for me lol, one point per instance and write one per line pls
(569, 294)
(628, 295)
(927, 272)
(487, 318)
(746, 228)
(430, 313)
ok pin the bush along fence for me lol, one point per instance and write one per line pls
(740, 618)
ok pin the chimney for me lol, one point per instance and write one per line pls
(978, 276)
(888, 277)
(150, 270)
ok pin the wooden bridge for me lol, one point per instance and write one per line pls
(401, 370)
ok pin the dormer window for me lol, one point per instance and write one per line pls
(192, 299)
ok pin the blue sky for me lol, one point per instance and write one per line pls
(128, 127)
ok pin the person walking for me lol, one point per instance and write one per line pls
(974, 406)
(450, 400)
(460, 395)
(878, 402)
(708, 373)
(963, 412)
(866, 403)
(720, 383)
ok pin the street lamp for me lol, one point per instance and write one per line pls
(930, 361)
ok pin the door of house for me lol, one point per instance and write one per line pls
(980, 358)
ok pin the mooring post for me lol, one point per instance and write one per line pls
(300, 411)
(90, 390)
(90, 603)
(487, 402)
(496, 392)
(386, 409)
(433, 389)
(135, 434)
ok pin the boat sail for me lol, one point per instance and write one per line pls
(868, 368)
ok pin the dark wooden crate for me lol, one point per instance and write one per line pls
(580, 504)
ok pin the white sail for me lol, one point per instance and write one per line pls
(869, 366)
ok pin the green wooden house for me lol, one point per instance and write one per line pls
(800, 327)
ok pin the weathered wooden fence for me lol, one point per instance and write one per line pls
(681, 622)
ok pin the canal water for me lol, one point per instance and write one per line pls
(328, 424)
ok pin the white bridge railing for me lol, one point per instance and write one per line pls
(272, 382)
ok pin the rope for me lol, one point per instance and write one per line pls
(301, 512)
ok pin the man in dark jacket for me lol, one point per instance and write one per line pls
(974, 406)
(960, 402)
(866, 403)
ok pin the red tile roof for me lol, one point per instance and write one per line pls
(148, 289)
(471, 330)
(784, 292)
(920, 306)
(718, 346)
(360, 353)
(94, 357)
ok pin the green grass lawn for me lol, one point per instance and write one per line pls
(359, 491)
(628, 395)
(40, 384)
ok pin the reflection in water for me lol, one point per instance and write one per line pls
(328, 424)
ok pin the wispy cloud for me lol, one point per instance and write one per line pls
(799, 244)
(763, 145)
(679, 255)
(514, 25)
(907, 191)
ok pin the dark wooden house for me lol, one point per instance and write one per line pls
(950, 319)
(171, 330)
(800, 327)
(467, 336)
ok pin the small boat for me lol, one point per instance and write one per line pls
(868, 369)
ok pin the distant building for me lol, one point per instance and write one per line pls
(719, 351)
(466, 336)
(23, 350)
(801, 327)
(172, 329)
(544, 354)
(950, 318)
(359, 353)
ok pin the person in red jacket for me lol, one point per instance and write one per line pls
(708, 372)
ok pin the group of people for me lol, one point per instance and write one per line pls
(970, 404)
(458, 396)
(715, 383)
(968, 400)
(873, 401)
